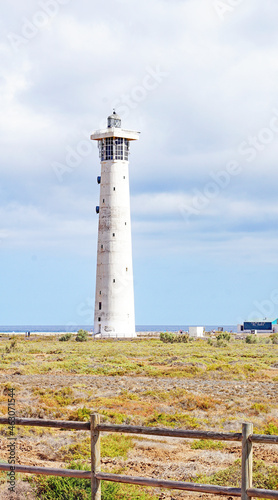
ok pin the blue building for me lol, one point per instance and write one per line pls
(263, 326)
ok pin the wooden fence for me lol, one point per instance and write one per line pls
(246, 437)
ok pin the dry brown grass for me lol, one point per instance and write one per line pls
(192, 385)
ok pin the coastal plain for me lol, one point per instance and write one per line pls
(202, 385)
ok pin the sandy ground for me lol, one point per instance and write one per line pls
(164, 458)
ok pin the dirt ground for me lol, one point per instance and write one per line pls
(165, 458)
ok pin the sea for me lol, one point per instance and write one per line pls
(139, 328)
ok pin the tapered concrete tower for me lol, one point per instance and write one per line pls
(114, 302)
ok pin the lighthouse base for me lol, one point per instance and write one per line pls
(115, 335)
(112, 331)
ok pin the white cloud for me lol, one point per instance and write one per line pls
(220, 88)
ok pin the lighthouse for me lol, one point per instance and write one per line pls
(114, 298)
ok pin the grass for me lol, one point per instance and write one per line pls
(206, 444)
(180, 385)
(260, 408)
(140, 357)
(237, 361)
(112, 445)
(271, 427)
(116, 445)
(173, 420)
(264, 476)
(57, 488)
(113, 491)
(47, 488)
(61, 397)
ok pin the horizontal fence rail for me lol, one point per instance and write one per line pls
(172, 485)
(260, 438)
(246, 437)
(48, 471)
(258, 493)
(148, 431)
(179, 433)
(58, 424)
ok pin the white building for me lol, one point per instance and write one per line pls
(114, 299)
(196, 331)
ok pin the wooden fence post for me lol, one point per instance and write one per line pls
(95, 457)
(246, 461)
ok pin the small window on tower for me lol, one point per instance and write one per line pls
(126, 269)
(101, 247)
(103, 201)
(99, 319)
(100, 292)
(113, 234)
(125, 223)
(99, 306)
(114, 189)
(124, 177)
(114, 281)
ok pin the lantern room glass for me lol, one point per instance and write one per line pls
(113, 148)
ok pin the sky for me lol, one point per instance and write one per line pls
(198, 79)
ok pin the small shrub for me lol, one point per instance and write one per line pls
(167, 337)
(76, 451)
(82, 414)
(114, 416)
(12, 347)
(251, 339)
(222, 339)
(109, 491)
(69, 488)
(224, 336)
(112, 445)
(190, 402)
(116, 445)
(184, 337)
(66, 337)
(63, 488)
(264, 476)
(126, 395)
(259, 408)
(272, 427)
(116, 491)
(172, 420)
(221, 343)
(274, 338)
(64, 397)
(82, 336)
(207, 444)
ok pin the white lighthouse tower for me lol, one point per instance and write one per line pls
(114, 300)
